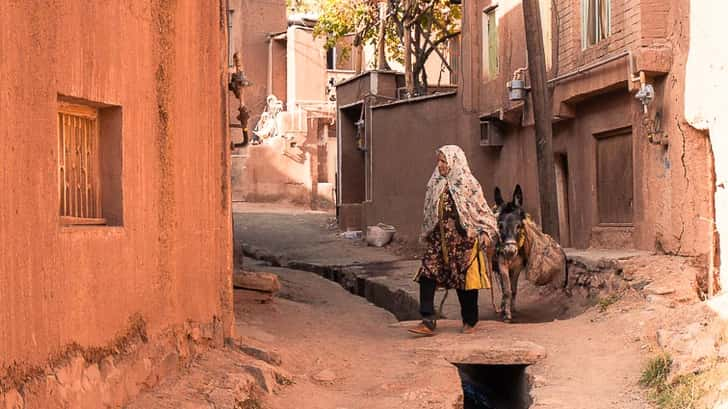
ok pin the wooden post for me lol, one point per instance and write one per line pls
(542, 116)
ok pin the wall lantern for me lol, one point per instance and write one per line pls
(517, 89)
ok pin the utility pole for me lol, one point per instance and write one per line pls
(542, 118)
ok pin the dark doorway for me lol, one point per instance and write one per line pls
(352, 176)
(561, 164)
(322, 133)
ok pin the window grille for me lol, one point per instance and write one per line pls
(78, 165)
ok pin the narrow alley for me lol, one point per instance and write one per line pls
(363, 204)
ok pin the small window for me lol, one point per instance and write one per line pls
(89, 164)
(340, 57)
(331, 58)
(454, 58)
(80, 187)
(490, 44)
(595, 21)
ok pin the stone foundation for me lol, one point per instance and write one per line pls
(109, 377)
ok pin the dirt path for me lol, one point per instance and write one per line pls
(594, 360)
(322, 331)
(341, 352)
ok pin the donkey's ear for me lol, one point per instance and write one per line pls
(518, 196)
(498, 197)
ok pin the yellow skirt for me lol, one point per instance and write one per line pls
(476, 277)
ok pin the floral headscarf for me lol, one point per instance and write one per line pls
(476, 217)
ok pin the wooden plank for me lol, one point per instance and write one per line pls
(95, 141)
(267, 282)
(70, 220)
(61, 163)
(84, 170)
(252, 296)
(77, 110)
(65, 166)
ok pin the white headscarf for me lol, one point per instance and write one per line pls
(476, 217)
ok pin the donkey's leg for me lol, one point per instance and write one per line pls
(496, 273)
(506, 290)
(514, 274)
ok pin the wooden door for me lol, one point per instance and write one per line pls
(615, 177)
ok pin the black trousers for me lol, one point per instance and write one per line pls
(468, 302)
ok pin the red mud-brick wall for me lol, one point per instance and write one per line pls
(626, 20)
(655, 22)
(163, 62)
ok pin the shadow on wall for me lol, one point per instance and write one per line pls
(269, 173)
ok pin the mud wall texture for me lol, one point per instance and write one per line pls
(706, 106)
(163, 64)
(306, 62)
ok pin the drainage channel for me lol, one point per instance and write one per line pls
(493, 372)
(356, 278)
(494, 386)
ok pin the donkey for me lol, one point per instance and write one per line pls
(511, 254)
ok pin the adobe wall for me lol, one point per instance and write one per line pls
(272, 177)
(253, 21)
(680, 206)
(306, 62)
(405, 137)
(353, 96)
(706, 107)
(171, 260)
(305, 176)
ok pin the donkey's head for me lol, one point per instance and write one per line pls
(510, 221)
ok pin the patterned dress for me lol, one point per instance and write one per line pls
(449, 250)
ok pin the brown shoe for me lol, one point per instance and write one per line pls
(468, 329)
(424, 329)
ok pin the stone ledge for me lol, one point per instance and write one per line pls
(113, 375)
(490, 352)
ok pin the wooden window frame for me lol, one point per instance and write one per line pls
(489, 64)
(86, 207)
(602, 30)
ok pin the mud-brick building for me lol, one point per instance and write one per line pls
(629, 175)
(281, 58)
(115, 220)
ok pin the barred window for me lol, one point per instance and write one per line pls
(78, 165)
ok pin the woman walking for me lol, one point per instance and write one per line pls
(458, 228)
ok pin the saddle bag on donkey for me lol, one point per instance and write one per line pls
(546, 259)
